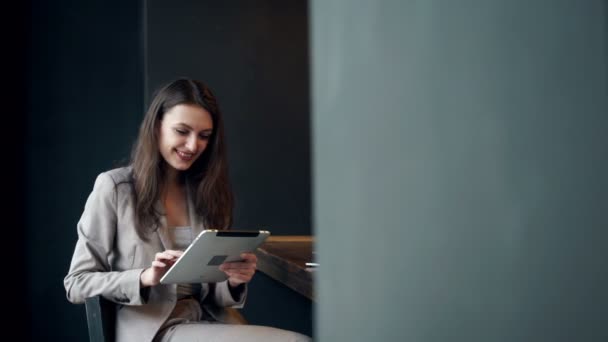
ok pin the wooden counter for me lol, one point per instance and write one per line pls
(284, 258)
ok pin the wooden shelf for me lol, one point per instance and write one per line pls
(284, 258)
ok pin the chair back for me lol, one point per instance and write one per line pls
(101, 319)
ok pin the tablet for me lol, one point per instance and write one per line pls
(201, 260)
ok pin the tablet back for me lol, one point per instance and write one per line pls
(201, 260)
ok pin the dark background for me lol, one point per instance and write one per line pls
(82, 76)
(13, 34)
(254, 55)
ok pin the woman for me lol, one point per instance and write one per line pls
(139, 219)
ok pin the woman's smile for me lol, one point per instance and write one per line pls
(185, 156)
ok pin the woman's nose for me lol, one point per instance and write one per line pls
(191, 144)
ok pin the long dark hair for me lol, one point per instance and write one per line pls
(208, 175)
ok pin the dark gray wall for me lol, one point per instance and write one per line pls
(254, 55)
(460, 170)
(85, 102)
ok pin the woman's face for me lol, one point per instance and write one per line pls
(183, 135)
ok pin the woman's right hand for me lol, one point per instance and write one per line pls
(162, 262)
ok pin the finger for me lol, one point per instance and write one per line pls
(175, 253)
(248, 261)
(171, 253)
(160, 255)
(237, 266)
(157, 263)
(249, 257)
(165, 256)
(231, 272)
(241, 278)
(240, 273)
(239, 270)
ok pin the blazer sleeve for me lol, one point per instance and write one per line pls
(221, 296)
(90, 271)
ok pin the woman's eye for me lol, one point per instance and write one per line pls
(181, 131)
(205, 137)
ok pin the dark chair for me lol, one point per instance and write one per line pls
(101, 317)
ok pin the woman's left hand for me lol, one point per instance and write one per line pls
(240, 272)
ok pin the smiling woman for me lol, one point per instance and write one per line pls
(146, 214)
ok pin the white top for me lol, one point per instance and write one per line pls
(179, 238)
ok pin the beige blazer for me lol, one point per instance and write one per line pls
(109, 258)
